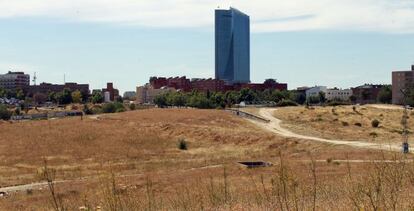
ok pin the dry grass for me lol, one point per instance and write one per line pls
(342, 122)
(131, 161)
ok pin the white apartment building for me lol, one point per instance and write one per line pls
(314, 91)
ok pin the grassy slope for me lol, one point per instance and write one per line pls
(144, 144)
(328, 121)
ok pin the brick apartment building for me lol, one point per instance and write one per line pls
(111, 92)
(205, 85)
(14, 80)
(46, 88)
(158, 85)
(367, 93)
(401, 80)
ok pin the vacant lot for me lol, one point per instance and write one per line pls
(346, 122)
(131, 161)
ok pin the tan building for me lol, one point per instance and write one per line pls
(147, 94)
(401, 80)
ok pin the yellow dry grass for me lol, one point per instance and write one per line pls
(140, 149)
(342, 122)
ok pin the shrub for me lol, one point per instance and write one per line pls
(87, 110)
(5, 114)
(119, 110)
(358, 124)
(182, 144)
(113, 107)
(132, 106)
(109, 108)
(285, 103)
(375, 123)
(345, 124)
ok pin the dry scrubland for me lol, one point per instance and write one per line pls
(130, 161)
(345, 123)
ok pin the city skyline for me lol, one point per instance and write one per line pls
(300, 45)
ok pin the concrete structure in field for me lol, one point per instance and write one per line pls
(14, 80)
(232, 40)
(338, 94)
(401, 80)
(314, 91)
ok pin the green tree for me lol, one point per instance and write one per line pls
(160, 100)
(51, 96)
(97, 97)
(76, 96)
(3, 93)
(322, 98)
(5, 114)
(64, 97)
(20, 94)
(385, 95)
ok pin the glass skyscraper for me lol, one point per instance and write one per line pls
(232, 29)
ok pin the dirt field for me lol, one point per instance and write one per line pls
(342, 122)
(132, 160)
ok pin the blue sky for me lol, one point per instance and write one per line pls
(328, 43)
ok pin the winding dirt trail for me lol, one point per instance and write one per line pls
(275, 127)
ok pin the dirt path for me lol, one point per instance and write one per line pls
(274, 126)
(41, 185)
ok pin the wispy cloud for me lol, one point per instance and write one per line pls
(390, 16)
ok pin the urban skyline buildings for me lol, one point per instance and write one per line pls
(232, 46)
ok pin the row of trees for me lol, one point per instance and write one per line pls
(227, 99)
(220, 100)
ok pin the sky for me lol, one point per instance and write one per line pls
(336, 43)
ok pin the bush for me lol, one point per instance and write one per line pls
(182, 144)
(5, 114)
(113, 107)
(109, 108)
(285, 103)
(358, 124)
(119, 110)
(375, 123)
(132, 106)
(345, 124)
(87, 110)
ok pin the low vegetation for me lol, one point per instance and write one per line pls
(354, 123)
(5, 114)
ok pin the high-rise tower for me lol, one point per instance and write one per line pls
(232, 35)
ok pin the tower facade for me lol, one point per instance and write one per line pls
(232, 40)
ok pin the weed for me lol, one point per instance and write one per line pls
(182, 144)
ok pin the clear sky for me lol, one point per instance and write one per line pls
(301, 42)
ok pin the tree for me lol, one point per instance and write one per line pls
(51, 96)
(5, 114)
(160, 100)
(20, 94)
(3, 93)
(385, 95)
(76, 96)
(97, 97)
(39, 98)
(64, 97)
(322, 98)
